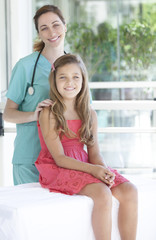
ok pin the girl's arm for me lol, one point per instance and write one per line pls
(12, 114)
(94, 153)
(54, 145)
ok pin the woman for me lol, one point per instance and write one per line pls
(24, 102)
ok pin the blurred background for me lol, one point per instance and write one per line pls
(117, 41)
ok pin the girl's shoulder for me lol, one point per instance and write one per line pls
(47, 121)
(46, 116)
(94, 119)
(46, 113)
(93, 114)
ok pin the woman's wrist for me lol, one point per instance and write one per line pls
(34, 116)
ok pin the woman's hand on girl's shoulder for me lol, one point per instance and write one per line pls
(46, 116)
(40, 106)
(47, 123)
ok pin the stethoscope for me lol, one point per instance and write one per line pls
(31, 89)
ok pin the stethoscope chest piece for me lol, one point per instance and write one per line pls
(31, 90)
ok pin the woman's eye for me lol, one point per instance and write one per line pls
(43, 29)
(76, 77)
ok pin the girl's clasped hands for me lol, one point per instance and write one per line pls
(104, 174)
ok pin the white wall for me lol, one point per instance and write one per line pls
(21, 28)
(2, 48)
(6, 153)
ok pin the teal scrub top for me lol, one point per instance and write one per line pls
(27, 144)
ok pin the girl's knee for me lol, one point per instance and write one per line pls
(130, 192)
(126, 192)
(103, 195)
(133, 192)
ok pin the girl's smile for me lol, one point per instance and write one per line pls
(69, 80)
(69, 89)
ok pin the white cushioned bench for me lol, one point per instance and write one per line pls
(29, 212)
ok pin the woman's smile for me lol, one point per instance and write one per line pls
(51, 29)
(54, 39)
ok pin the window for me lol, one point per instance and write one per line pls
(116, 39)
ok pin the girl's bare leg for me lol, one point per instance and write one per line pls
(127, 195)
(101, 215)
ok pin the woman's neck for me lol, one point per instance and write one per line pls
(52, 54)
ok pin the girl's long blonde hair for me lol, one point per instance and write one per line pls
(39, 44)
(82, 102)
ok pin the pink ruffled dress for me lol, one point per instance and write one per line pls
(62, 180)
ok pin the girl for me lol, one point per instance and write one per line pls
(63, 164)
(24, 101)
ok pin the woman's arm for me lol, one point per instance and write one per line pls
(12, 114)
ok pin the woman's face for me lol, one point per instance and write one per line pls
(69, 81)
(51, 30)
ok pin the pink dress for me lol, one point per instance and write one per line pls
(62, 180)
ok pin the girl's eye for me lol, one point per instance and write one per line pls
(56, 25)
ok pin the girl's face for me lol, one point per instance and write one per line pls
(69, 80)
(51, 29)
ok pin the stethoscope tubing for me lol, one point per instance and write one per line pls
(31, 88)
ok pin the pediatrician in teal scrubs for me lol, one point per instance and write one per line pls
(28, 91)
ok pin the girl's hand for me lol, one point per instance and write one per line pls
(40, 106)
(103, 174)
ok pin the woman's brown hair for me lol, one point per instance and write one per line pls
(38, 45)
(82, 102)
